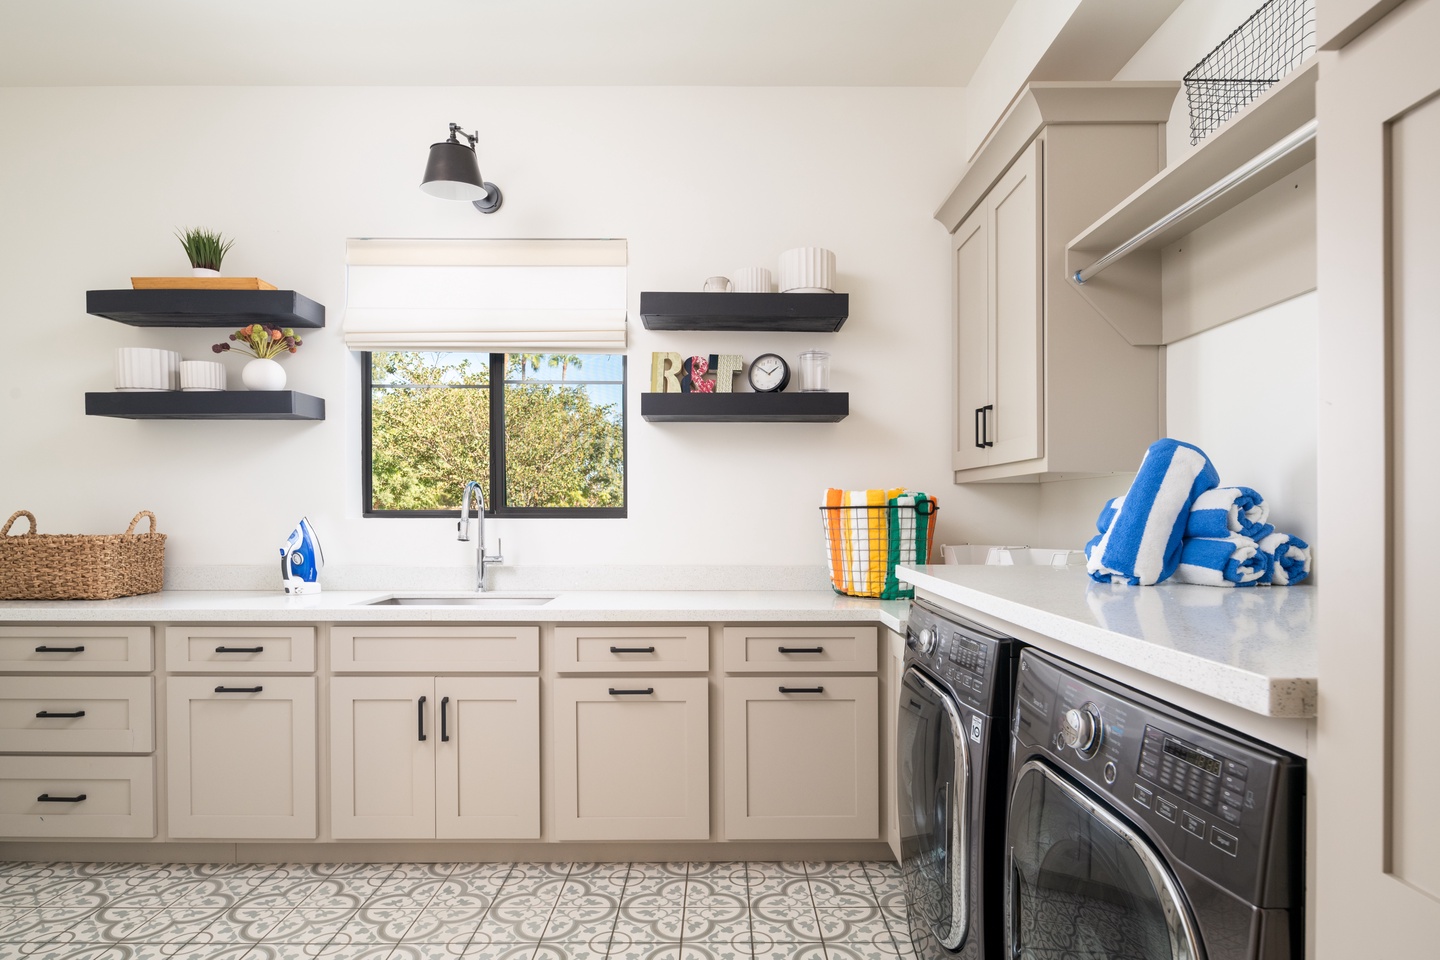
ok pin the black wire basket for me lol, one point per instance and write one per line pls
(864, 544)
(1273, 41)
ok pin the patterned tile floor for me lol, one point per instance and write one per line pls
(498, 911)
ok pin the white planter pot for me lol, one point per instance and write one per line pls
(145, 368)
(204, 272)
(807, 270)
(263, 375)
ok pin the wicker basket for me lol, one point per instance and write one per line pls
(74, 567)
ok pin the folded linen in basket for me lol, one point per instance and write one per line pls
(1232, 561)
(1289, 558)
(1142, 545)
(1225, 510)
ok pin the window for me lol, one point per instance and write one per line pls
(544, 434)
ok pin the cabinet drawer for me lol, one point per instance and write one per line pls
(115, 715)
(481, 648)
(681, 649)
(258, 649)
(75, 650)
(118, 797)
(842, 648)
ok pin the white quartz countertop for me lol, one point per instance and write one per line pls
(353, 606)
(1254, 648)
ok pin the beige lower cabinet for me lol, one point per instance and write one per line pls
(241, 757)
(427, 757)
(86, 797)
(76, 714)
(802, 758)
(632, 758)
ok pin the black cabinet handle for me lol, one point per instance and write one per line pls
(420, 712)
(979, 441)
(47, 715)
(223, 649)
(44, 649)
(238, 689)
(802, 649)
(444, 734)
(985, 424)
(802, 689)
(46, 798)
(629, 693)
(632, 649)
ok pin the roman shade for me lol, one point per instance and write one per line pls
(497, 296)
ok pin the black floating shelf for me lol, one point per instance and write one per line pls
(206, 405)
(745, 407)
(205, 308)
(805, 312)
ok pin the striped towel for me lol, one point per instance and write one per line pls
(1225, 510)
(1289, 558)
(1232, 561)
(911, 520)
(1142, 544)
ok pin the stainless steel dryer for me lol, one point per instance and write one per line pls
(1138, 831)
(953, 742)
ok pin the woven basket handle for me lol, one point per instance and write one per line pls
(133, 523)
(5, 531)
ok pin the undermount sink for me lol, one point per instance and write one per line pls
(476, 600)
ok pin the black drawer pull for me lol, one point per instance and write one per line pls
(444, 733)
(802, 689)
(238, 689)
(420, 712)
(632, 649)
(239, 649)
(802, 649)
(46, 798)
(629, 693)
(44, 649)
(47, 715)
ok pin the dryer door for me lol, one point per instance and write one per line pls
(934, 809)
(1083, 884)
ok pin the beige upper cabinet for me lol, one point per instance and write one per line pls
(1036, 366)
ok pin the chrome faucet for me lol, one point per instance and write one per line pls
(473, 493)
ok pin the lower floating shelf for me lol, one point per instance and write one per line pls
(206, 405)
(745, 407)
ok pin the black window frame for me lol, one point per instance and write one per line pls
(496, 480)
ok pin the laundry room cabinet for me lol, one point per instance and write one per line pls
(1036, 367)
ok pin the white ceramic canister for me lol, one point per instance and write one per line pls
(263, 374)
(198, 375)
(752, 280)
(807, 270)
(146, 368)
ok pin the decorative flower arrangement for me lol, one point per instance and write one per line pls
(265, 342)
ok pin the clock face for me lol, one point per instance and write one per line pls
(769, 374)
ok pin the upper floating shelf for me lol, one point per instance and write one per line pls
(205, 308)
(805, 312)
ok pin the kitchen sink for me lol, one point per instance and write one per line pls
(473, 600)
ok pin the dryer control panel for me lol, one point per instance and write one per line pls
(956, 651)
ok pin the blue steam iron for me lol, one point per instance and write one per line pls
(301, 559)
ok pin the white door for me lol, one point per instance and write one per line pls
(487, 758)
(1014, 426)
(1377, 868)
(382, 758)
(972, 297)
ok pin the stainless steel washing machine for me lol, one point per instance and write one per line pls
(953, 743)
(1138, 831)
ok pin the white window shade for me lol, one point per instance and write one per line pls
(519, 296)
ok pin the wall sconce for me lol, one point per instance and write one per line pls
(453, 173)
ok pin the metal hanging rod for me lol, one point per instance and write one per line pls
(1238, 176)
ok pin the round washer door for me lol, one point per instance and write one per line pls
(934, 788)
(1083, 884)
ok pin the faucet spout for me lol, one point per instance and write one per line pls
(474, 494)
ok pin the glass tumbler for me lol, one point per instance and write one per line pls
(814, 371)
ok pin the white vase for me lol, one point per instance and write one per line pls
(204, 272)
(261, 374)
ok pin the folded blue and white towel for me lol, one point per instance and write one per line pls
(1289, 558)
(1142, 544)
(1107, 513)
(1232, 561)
(1225, 510)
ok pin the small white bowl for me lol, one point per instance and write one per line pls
(197, 375)
(145, 368)
(807, 270)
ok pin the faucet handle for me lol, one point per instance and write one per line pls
(499, 556)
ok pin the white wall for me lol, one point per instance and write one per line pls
(699, 180)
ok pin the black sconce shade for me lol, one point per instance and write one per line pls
(453, 173)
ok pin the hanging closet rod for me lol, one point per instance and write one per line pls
(1253, 166)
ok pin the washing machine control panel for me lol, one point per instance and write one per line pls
(956, 652)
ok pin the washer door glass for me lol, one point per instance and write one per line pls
(934, 810)
(1083, 884)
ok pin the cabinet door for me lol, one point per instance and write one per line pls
(76, 714)
(110, 797)
(802, 758)
(382, 758)
(1016, 336)
(241, 757)
(972, 340)
(632, 766)
(487, 758)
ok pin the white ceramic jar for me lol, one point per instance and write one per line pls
(202, 375)
(146, 368)
(807, 270)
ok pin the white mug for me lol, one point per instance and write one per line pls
(717, 285)
(752, 280)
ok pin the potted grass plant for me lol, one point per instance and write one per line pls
(205, 248)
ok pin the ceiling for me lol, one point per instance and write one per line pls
(466, 42)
